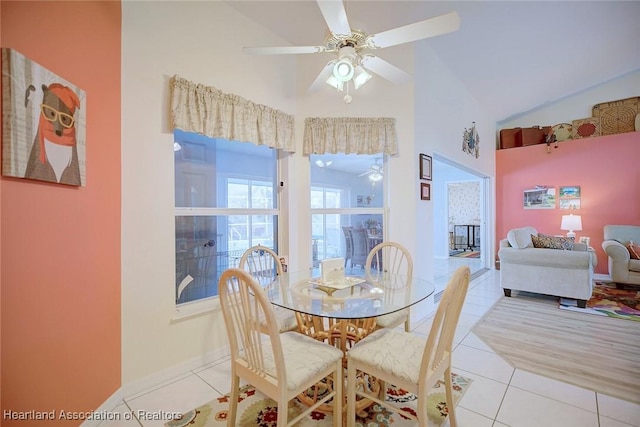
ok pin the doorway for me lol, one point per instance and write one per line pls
(461, 216)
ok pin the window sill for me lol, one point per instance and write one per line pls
(195, 309)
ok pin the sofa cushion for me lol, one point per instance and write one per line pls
(634, 250)
(520, 238)
(634, 265)
(552, 242)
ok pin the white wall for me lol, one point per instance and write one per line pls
(578, 106)
(201, 42)
(444, 109)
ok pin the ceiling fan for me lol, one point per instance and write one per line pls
(374, 172)
(352, 48)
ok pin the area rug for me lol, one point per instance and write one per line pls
(465, 254)
(607, 300)
(256, 410)
(598, 353)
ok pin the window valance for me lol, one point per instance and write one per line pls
(358, 135)
(208, 111)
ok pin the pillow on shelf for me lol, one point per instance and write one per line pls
(552, 242)
(634, 250)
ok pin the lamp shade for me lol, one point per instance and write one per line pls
(571, 223)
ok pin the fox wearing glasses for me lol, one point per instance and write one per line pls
(54, 155)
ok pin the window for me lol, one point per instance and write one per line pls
(225, 202)
(346, 193)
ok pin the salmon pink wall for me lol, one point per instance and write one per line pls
(60, 265)
(606, 168)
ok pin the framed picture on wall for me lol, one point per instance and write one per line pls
(425, 191)
(425, 167)
(43, 121)
(570, 197)
(539, 197)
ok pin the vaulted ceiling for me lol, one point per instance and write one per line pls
(513, 56)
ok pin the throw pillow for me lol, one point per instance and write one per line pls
(552, 242)
(520, 238)
(634, 250)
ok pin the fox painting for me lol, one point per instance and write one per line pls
(54, 154)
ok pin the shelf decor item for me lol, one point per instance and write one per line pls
(43, 123)
(425, 167)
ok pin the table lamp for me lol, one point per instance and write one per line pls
(572, 223)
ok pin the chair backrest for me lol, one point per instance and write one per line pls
(348, 242)
(443, 328)
(193, 268)
(245, 308)
(390, 257)
(622, 233)
(360, 246)
(262, 263)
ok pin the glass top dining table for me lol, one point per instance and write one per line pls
(355, 297)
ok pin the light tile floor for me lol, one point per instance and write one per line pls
(499, 396)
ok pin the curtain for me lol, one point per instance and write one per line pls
(358, 135)
(208, 111)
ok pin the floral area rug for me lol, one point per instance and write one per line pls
(256, 410)
(607, 300)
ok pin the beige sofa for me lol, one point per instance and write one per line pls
(563, 273)
(622, 268)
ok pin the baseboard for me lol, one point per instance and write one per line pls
(152, 382)
(602, 277)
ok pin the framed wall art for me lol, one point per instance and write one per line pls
(425, 191)
(569, 197)
(539, 197)
(43, 123)
(425, 167)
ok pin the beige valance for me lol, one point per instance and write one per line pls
(350, 135)
(208, 111)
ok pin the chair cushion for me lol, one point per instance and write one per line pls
(380, 349)
(393, 319)
(304, 358)
(520, 238)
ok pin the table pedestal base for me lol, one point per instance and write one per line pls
(343, 334)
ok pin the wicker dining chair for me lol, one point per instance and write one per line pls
(391, 257)
(409, 361)
(280, 365)
(265, 266)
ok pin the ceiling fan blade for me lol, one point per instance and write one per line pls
(283, 50)
(335, 16)
(420, 30)
(320, 81)
(385, 69)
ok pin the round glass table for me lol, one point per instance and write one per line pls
(344, 311)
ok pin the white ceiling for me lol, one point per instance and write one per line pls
(513, 56)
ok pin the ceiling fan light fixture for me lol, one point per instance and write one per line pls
(361, 77)
(343, 70)
(375, 176)
(335, 83)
